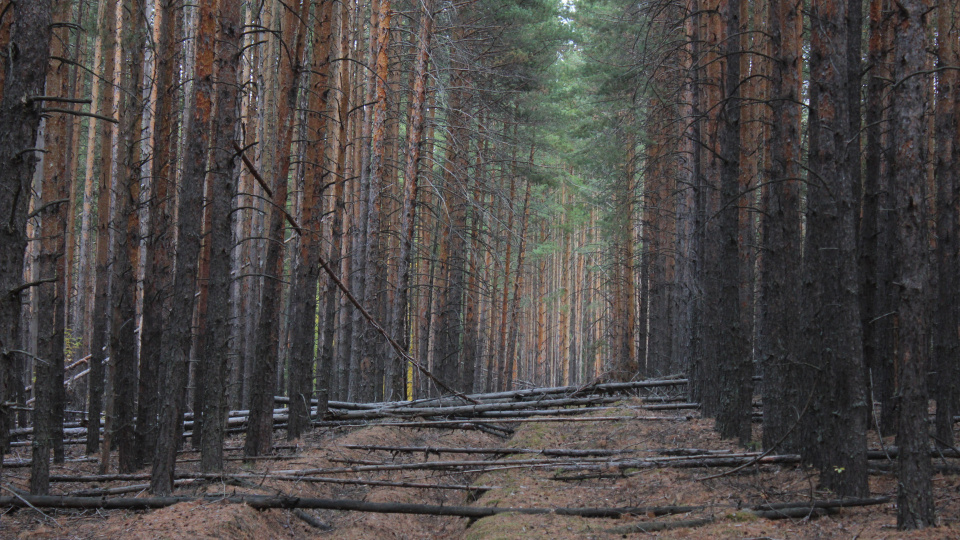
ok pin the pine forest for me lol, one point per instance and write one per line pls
(237, 227)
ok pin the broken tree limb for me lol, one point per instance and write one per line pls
(261, 502)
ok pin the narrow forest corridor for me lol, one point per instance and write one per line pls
(254, 218)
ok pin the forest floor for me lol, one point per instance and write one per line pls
(722, 499)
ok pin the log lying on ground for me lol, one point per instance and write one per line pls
(471, 410)
(501, 451)
(537, 392)
(261, 502)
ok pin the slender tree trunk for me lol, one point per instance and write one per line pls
(780, 263)
(123, 338)
(915, 508)
(260, 432)
(411, 181)
(304, 291)
(224, 175)
(946, 322)
(329, 381)
(51, 302)
(101, 328)
(177, 340)
(158, 276)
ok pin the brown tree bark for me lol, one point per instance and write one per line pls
(449, 330)
(99, 341)
(178, 338)
(330, 381)
(303, 293)
(411, 182)
(781, 248)
(126, 225)
(260, 433)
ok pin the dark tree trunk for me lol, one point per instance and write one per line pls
(158, 274)
(946, 322)
(735, 365)
(915, 508)
(836, 430)
(19, 121)
(99, 340)
(303, 294)
(224, 174)
(260, 432)
(178, 338)
(781, 261)
(123, 338)
(51, 301)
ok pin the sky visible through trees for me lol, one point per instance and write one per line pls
(207, 206)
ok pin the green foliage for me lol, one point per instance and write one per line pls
(71, 344)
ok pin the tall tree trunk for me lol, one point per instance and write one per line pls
(303, 294)
(19, 121)
(260, 432)
(915, 508)
(177, 340)
(123, 338)
(330, 382)
(158, 275)
(411, 181)
(100, 329)
(449, 330)
(781, 260)
(946, 322)
(224, 189)
(52, 295)
(836, 431)
(624, 307)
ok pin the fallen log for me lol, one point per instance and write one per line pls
(502, 451)
(829, 503)
(457, 424)
(570, 390)
(471, 410)
(263, 502)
